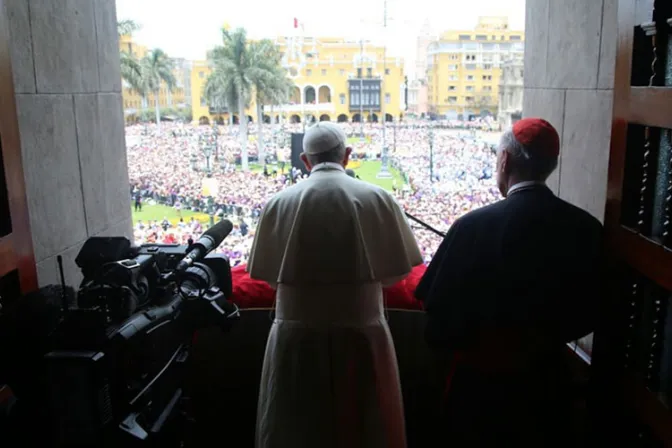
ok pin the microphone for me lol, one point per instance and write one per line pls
(212, 238)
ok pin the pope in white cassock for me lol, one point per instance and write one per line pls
(327, 245)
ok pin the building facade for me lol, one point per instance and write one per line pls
(464, 68)
(335, 80)
(510, 92)
(421, 46)
(175, 98)
(417, 97)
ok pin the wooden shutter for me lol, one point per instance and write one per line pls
(632, 358)
(17, 262)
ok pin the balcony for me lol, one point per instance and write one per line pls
(218, 110)
(312, 107)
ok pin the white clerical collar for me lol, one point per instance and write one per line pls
(524, 185)
(327, 166)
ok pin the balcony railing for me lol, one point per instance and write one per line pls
(316, 107)
(213, 110)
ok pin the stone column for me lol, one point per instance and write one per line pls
(65, 58)
(570, 51)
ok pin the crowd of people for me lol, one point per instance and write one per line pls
(447, 169)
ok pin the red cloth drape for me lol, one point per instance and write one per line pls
(250, 293)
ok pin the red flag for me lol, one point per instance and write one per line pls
(296, 22)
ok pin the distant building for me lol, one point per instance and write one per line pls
(335, 80)
(422, 44)
(417, 97)
(183, 77)
(510, 92)
(417, 86)
(173, 98)
(464, 67)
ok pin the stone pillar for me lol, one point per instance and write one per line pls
(65, 58)
(570, 51)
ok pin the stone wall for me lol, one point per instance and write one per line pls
(570, 51)
(65, 59)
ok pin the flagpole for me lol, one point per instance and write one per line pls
(384, 168)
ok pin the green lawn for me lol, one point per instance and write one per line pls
(158, 212)
(352, 140)
(370, 169)
(367, 171)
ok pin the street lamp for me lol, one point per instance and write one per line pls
(215, 133)
(206, 147)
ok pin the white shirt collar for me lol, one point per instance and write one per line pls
(327, 166)
(521, 185)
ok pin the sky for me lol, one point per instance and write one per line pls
(188, 28)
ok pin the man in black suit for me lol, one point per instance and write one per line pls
(510, 285)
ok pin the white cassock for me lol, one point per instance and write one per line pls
(330, 375)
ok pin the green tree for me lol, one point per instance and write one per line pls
(156, 68)
(238, 66)
(127, 27)
(128, 63)
(271, 84)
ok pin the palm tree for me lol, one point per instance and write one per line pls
(156, 68)
(269, 79)
(127, 27)
(219, 91)
(237, 65)
(129, 64)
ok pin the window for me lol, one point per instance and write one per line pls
(201, 74)
(454, 57)
(470, 77)
(469, 99)
(324, 72)
(341, 98)
(469, 88)
(481, 37)
(502, 37)
(494, 37)
(387, 71)
(341, 72)
(369, 72)
(470, 66)
(464, 37)
(452, 87)
(452, 67)
(387, 98)
(487, 88)
(309, 72)
(359, 72)
(452, 78)
(487, 66)
(514, 37)
(452, 99)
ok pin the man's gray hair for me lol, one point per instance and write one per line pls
(527, 163)
(335, 155)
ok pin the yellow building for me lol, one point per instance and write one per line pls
(176, 98)
(331, 75)
(464, 67)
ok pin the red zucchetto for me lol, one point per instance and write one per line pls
(537, 134)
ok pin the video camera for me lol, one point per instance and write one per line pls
(118, 361)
